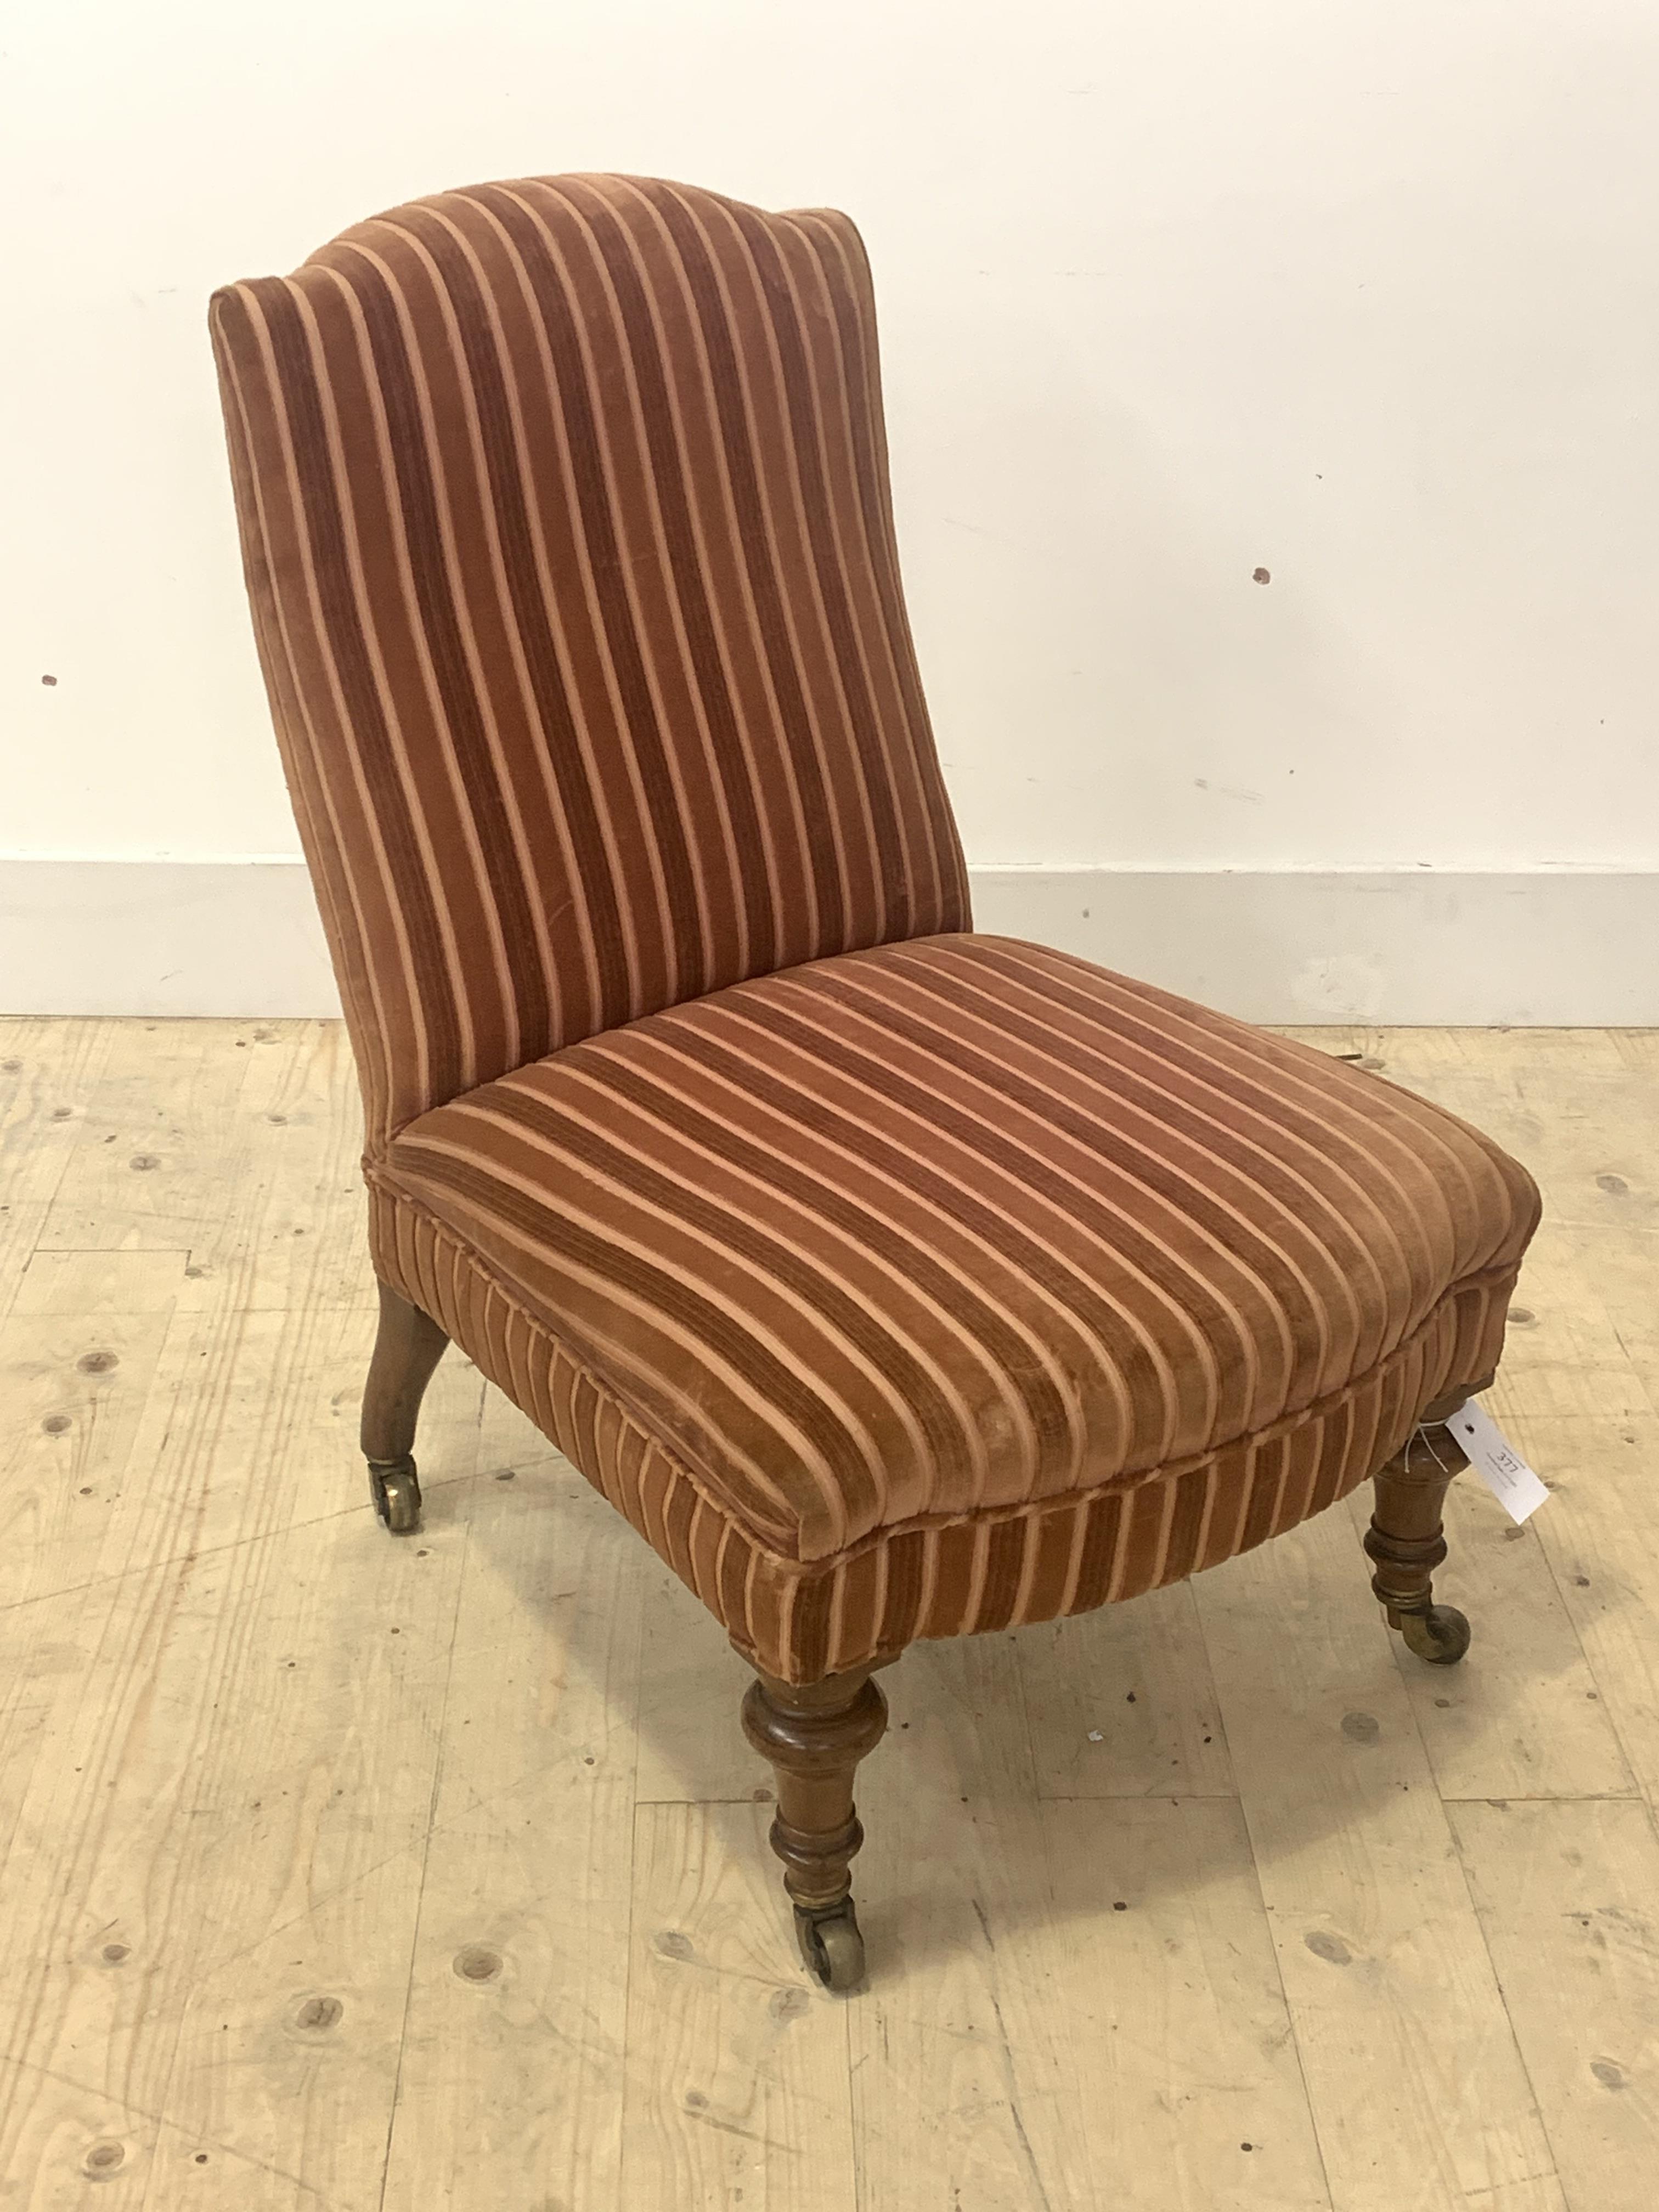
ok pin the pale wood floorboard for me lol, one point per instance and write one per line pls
(345, 1875)
(1568, 1894)
(738, 2087)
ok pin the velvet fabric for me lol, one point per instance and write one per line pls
(565, 515)
(894, 1281)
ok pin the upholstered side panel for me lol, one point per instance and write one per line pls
(949, 1575)
(566, 522)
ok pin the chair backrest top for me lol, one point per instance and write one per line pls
(566, 520)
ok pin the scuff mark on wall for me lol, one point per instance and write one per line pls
(1338, 986)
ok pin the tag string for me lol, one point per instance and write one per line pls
(1426, 1434)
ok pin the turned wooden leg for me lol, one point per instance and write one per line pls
(1405, 1539)
(815, 1737)
(407, 1347)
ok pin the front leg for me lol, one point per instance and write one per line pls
(815, 1736)
(1405, 1540)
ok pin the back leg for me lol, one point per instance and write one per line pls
(1406, 1542)
(408, 1346)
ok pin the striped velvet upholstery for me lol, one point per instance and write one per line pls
(894, 1281)
(955, 1284)
(565, 515)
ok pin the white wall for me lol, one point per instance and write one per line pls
(1364, 292)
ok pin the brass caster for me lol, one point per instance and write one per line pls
(1440, 1635)
(831, 1946)
(395, 1489)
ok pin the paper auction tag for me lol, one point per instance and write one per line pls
(1494, 1459)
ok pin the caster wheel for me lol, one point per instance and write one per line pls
(1441, 1635)
(395, 1489)
(831, 1946)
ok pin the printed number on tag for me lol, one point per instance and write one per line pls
(1495, 1460)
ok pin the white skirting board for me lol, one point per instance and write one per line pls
(1554, 947)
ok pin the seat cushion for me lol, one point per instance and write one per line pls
(959, 1233)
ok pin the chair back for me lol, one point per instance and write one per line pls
(565, 517)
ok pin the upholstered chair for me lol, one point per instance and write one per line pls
(892, 1281)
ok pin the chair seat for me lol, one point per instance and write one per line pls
(953, 1232)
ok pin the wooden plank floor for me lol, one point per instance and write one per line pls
(339, 1875)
